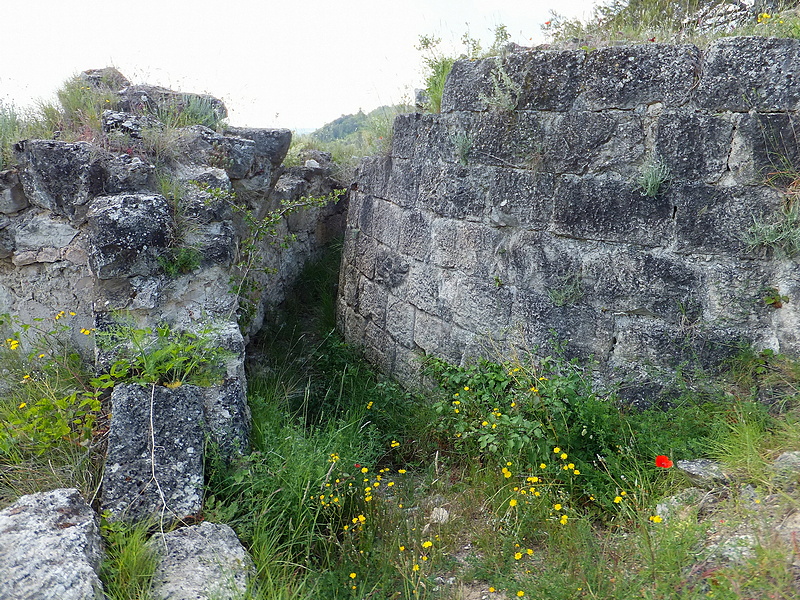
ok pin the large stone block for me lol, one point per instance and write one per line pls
(455, 191)
(57, 176)
(372, 176)
(549, 79)
(634, 282)
(517, 139)
(520, 198)
(611, 210)
(201, 562)
(467, 84)
(590, 141)
(715, 220)
(765, 149)
(625, 77)
(12, 196)
(745, 73)
(50, 548)
(694, 146)
(415, 234)
(154, 463)
(127, 233)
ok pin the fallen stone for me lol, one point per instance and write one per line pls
(703, 472)
(201, 562)
(41, 231)
(786, 470)
(154, 464)
(50, 548)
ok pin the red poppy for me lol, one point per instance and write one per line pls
(663, 461)
(357, 465)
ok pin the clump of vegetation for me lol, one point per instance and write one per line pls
(654, 176)
(692, 21)
(438, 66)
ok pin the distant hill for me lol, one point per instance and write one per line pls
(347, 125)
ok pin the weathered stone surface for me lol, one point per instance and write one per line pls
(628, 76)
(42, 231)
(201, 562)
(786, 470)
(155, 99)
(56, 175)
(234, 154)
(130, 124)
(12, 196)
(745, 73)
(540, 74)
(611, 210)
(108, 77)
(154, 463)
(127, 232)
(704, 472)
(50, 548)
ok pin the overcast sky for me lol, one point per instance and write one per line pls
(292, 63)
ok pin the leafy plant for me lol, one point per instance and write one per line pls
(653, 177)
(505, 91)
(180, 261)
(162, 356)
(568, 291)
(774, 298)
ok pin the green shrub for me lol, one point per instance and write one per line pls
(162, 356)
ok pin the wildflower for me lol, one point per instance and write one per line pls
(513, 404)
(491, 590)
(517, 555)
(395, 443)
(506, 473)
(352, 575)
(22, 405)
(623, 493)
(427, 544)
(415, 568)
(557, 506)
(41, 356)
(455, 410)
(576, 472)
(494, 425)
(534, 390)
(346, 527)
(520, 594)
(484, 423)
(617, 499)
(333, 458)
(571, 466)
(656, 519)
(402, 548)
(563, 519)
(563, 456)
(390, 484)
(529, 551)
(456, 402)
(466, 388)
(542, 466)
(556, 450)
(364, 470)
(369, 405)
(663, 461)
(512, 502)
(401, 471)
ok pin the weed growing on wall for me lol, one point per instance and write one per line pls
(653, 178)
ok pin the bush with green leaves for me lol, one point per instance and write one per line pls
(162, 355)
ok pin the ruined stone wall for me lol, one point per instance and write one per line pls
(516, 214)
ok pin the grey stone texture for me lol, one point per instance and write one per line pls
(154, 461)
(491, 224)
(201, 562)
(50, 548)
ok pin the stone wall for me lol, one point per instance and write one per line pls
(87, 232)
(516, 214)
